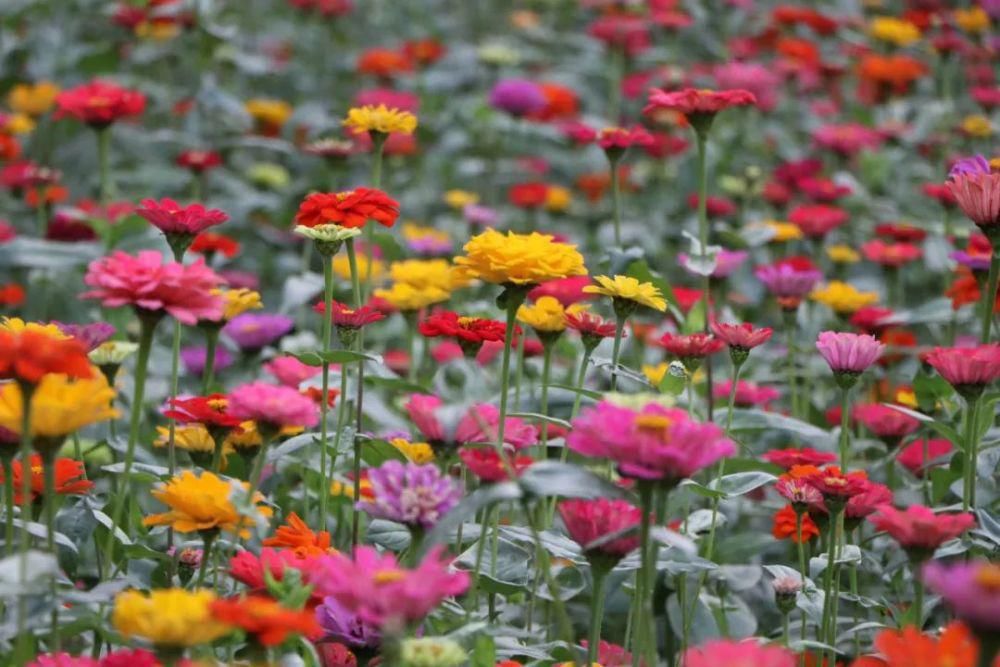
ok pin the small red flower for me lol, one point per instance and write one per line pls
(785, 526)
(199, 161)
(691, 101)
(210, 411)
(352, 208)
(817, 220)
(469, 332)
(528, 195)
(351, 318)
(484, 463)
(208, 243)
(589, 324)
(742, 336)
(691, 346)
(171, 218)
(99, 103)
(786, 458)
(891, 255)
(69, 478)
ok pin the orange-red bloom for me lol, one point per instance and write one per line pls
(29, 355)
(298, 536)
(352, 208)
(268, 622)
(956, 647)
(69, 478)
(784, 526)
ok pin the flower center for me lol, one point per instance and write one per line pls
(388, 576)
(988, 577)
(654, 424)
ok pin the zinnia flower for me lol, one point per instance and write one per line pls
(171, 617)
(912, 458)
(351, 209)
(520, 259)
(785, 525)
(477, 425)
(486, 464)
(887, 423)
(787, 458)
(299, 537)
(627, 288)
(145, 282)
(918, 529)
(289, 371)
(411, 494)
(99, 103)
(31, 354)
(254, 331)
(741, 338)
(970, 590)
(848, 352)
(380, 119)
(344, 626)
(210, 411)
(180, 224)
(70, 478)
(977, 191)
(273, 405)
(265, 619)
(691, 348)
(700, 106)
(469, 332)
(789, 280)
(909, 647)
(203, 502)
(517, 97)
(732, 653)
(966, 368)
(843, 298)
(587, 521)
(59, 406)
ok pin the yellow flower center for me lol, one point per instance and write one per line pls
(218, 404)
(388, 576)
(988, 577)
(656, 424)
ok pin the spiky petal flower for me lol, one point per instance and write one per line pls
(411, 494)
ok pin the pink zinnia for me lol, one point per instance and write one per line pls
(290, 372)
(175, 220)
(145, 282)
(726, 261)
(272, 404)
(589, 520)
(973, 367)
(691, 346)
(848, 352)
(970, 590)
(807, 456)
(789, 280)
(911, 456)
(848, 138)
(748, 394)
(743, 336)
(817, 220)
(885, 422)
(731, 653)
(381, 592)
(918, 528)
(99, 103)
(617, 140)
(799, 491)
(695, 102)
(758, 79)
(566, 291)
(654, 443)
(423, 410)
(977, 190)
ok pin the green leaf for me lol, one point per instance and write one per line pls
(389, 534)
(588, 393)
(553, 478)
(740, 483)
(534, 416)
(695, 320)
(674, 380)
(758, 420)
(317, 358)
(484, 652)
(377, 452)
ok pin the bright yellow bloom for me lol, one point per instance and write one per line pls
(32, 99)
(238, 301)
(18, 123)
(629, 289)
(409, 298)
(843, 254)
(170, 617)
(655, 374)
(995, 164)
(342, 266)
(459, 199)
(16, 325)
(203, 503)
(557, 198)
(907, 398)
(784, 231)
(973, 19)
(977, 125)
(269, 112)
(415, 452)
(546, 314)
(428, 273)
(381, 119)
(189, 437)
(843, 298)
(157, 31)
(346, 489)
(521, 259)
(893, 30)
(59, 405)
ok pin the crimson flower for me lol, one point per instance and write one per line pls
(691, 347)
(912, 458)
(872, 319)
(177, 221)
(199, 161)
(484, 463)
(587, 521)
(807, 456)
(835, 485)
(616, 140)
(741, 338)
(208, 243)
(528, 195)
(693, 102)
(352, 208)
(469, 332)
(99, 103)
(210, 411)
(592, 328)
(69, 474)
(891, 255)
(350, 318)
(817, 220)
(918, 529)
(887, 423)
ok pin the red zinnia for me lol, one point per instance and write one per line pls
(919, 528)
(173, 219)
(589, 324)
(785, 525)
(694, 102)
(528, 195)
(484, 463)
(269, 622)
(210, 411)
(28, 356)
(786, 458)
(352, 208)
(350, 318)
(741, 336)
(891, 254)
(69, 474)
(469, 332)
(11, 294)
(691, 346)
(912, 458)
(208, 243)
(834, 484)
(199, 161)
(966, 366)
(817, 220)
(99, 103)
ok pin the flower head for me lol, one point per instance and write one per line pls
(970, 589)
(380, 119)
(912, 456)
(144, 281)
(342, 625)
(587, 521)
(691, 348)
(31, 354)
(734, 653)
(520, 259)
(546, 316)
(70, 478)
(210, 411)
(345, 317)
(477, 425)
(843, 298)
(627, 288)
(486, 464)
(976, 189)
(469, 332)
(700, 106)
(351, 209)
(787, 458)
(99, 103)
(909, 647)
(32, 99)
(966, 367)
(265, 619)
(273, 405)
(412, 494)
(59, 406)
(918, 528)
(179, 223)
(91, 335)
(407, 298)
(518, 97)
(171, 617)
(255, 331)
(885, 421)
(203, 502)
(743, 336)
(789, 280)
(848, 352)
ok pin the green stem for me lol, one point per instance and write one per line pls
(258, 465)
(801, 547)
(23, 637)
(356, 289)
(793, 389)
(324, 407)
(845, 431)
(971, 454)
(174, 372)
(828, 574)
(581, 377)
(49, 472)
(565, 627)
(989, 296)
(616, 351)
(147, 327)
(784, 629)
(355, 514)
(544, 401)
(209, 539)
(643, 597)
(411, 346)
(599, 574)
(616, 200)
(378, 141)
(480, 550)
(104, 165)
(211, 345)
(8, 499)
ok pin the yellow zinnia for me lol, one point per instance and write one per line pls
(413, 232)
(459, 199)
(18, 123)
(238, 301)
(269, 112)
(32, 99)
(16, 325)
(843, 298)
(170, 617)
(843, 254)
(628, 289)
(342, 266)
(203, 502)
(893, 30)
(189, 437)
(546, 315)
(520, 259)
(415, 452)
(409, 298)
(977, 125)
(973, 19)
(383, 119)
(784, 231)
(655, 374)
(557, 199)
(428, 273)
(59, 405)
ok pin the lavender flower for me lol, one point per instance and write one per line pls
(416, 495)
(481, 216)
(254, 331)
(518, 97)
(976, 164)
(91, 335)
(973, 262)
(343, 626)
(194, 359)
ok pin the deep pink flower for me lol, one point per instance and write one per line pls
(272, 404)
(345, 317)
(748, 394)
(872, 319)
(807, 456)
(624, 31)
(469, 429)
(248, 568)
(743, 336)
(290, 372)
(847, 139)
(762, 81)
(890, 254)
(99, 103)
(145, 282)
(848, 352)
(977, 190)
(731, 653)
(590, 520)
(817, 220)
(919, 528)
(381, 592)
(823, 189)
(789, 279)
(175, 220)
(885, 422)
(970, 590)
(691, 346)
(695, 102)
(654, 443)
(966, 366)
(872, 496)
(136, 657)
(911, 456)
(616, 140)
(579, 133)
(63, 660)
(484, 463)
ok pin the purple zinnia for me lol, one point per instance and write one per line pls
(518, 97)
(481, 216)
(972, 590)
(970, 261)
(969, 166)
(194, 359)
(343, 626)
(254, 331)
(91, 335)
(416, 495)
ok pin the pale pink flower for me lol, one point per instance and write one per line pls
(290, 372)
(273, 404)
(848, 352)
(977, 190)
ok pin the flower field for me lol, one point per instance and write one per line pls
(434, 333)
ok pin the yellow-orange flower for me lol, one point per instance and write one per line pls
(415, 452)
(381, 118)
(459, 199)
(171, 617)
(428, 273)
(520, 259)
(628, 289)
(203, 502)
(405, 297)
(893, 30)
(977, 125)
(972, 19)
(238, 301)
(59, 405)
(843, 254)
(342, 266)
(546, 314)
(843, 298)
(557, 198)
(16, 325)
(18, 123)
(32, 99)
(783, 231)
(273, 113)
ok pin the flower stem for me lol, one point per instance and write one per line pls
(581, 377)
(209, 539)
(8, 500)
(828, 576)
(544, 401)
(174, 372)
(918, 600)
(378, 142)
(990, 295)
(793, 389)
(211, 345)
(23, 637)
(596, 612)
(845, 431)
(971, 454)
(801, 547)
(49, 473)
(643, 598)
(104, 165)
(147, 327)
(616, 200)
(359, 342)
(324, 405)
(616, 351)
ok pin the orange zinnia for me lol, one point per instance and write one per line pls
(956, 647)
(296, 535)
(29, 355)
(69, 474)
(784, 526)
(269, 622)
